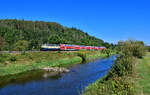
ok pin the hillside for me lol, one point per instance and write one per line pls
(32, 34)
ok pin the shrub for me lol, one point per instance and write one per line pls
(21, 45)
(4, 57)
(103, 51)
(130, 47)
(138, 50)
(13, 58)
(23, 53)
(2, 42)
(30, 57)
(108, 52)
(82, 54)
(113, 86)
(1, 58)
(123, 66)
(148, 48)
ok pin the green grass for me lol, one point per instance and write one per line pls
(37, 60)
(114, 86)
(143, 76)
(96, 56)
(18, 68)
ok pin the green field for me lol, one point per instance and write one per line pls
(143, 76)
(17, 63)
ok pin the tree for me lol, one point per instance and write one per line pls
(2, 42)
(106, 44)
(21, 45)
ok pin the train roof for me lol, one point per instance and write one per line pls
(52, 44)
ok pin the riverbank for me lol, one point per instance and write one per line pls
(11, 64)
(135, 83)
(142, 80)
(118, 81)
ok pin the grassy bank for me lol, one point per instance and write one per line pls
(95, 56)
(117, 81)
(120, 79)
(143, 76)
(18, 68)
(17, 63)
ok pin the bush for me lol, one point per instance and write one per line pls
(138, 50)
(148, 47)
(7, 57)
(1, 58)
(13, 58)
(23, 53)
(123, 66)
(108, 52)
(82, 54)
(130, 47)
(21, 45)
(113, 86)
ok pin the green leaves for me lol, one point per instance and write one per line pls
(2, 42)
(21, 45)
(131, 47)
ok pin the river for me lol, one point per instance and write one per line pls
(50, 83)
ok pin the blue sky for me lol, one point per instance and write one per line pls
(110, 20)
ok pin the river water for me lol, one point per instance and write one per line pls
(50, 83)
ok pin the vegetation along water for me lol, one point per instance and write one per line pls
(17, 63)
(120, 79)
(53, 83)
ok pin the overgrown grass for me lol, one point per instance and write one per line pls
(118, 80)
(87, 56)
(113, 86)
(143, 76)
(16, 63)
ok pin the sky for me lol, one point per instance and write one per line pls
(109, 20)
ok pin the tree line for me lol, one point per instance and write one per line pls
(30, 35)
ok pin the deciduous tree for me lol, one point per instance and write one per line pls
(21, 45)
(2, 42)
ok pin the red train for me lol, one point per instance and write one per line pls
(66, 47)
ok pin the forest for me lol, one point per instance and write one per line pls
(30, 35)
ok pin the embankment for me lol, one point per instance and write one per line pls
(118, 81)
(134, 82)
(17, 63)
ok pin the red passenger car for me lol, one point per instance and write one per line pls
(88, 48)
(65, 47)
(69, 47)
(77, 47)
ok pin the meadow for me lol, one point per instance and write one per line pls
(143, 76)
(17, 63)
